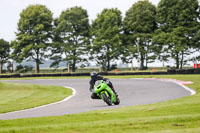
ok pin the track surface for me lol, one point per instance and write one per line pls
(131, 92)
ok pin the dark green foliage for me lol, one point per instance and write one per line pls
(71, 37)
(106, 42)
(139, 25)
(196, 43)
(113, 67)
(147, 33)
(23, 69)
(10, 66)
(33, 35)
(4, 53)
(178, 24)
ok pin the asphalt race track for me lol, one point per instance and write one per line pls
(131, 92)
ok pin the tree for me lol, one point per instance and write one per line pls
(106, 42)
(196, 42)
(71, 36)
(4, 53)
(128, 51)
(139, 26)
(177, 20)
(161, 50)
(34, 35)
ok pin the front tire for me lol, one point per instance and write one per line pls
(106, 99)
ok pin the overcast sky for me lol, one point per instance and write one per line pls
(10, 10)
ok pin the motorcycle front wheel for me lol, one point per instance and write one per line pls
(106, 99)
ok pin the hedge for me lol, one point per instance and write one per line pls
(173, 71)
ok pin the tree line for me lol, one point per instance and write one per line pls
(146, 33)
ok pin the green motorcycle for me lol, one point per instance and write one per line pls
(105, 93)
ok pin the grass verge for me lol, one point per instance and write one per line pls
(175, 116)
(20, 96)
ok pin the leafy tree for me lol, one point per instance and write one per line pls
(196, 42)
(139, 26)
(128, 51)
(177, 21)
(161, 50)
(10, 66)
(34, 35)
(71, 37)
(106, 42)
(4, 53)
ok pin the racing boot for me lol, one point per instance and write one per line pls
(94, 96)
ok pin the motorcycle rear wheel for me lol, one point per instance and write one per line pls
(106, 99)
(117, 101)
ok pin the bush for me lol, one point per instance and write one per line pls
(23, 69)
(197, 71)
(172, 71)
(113, 67)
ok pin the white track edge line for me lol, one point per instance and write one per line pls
(67, 98)
(193, 92)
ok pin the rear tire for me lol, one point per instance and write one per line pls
(106, 99)
(117, 101)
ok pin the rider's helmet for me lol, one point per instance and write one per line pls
(93, 75)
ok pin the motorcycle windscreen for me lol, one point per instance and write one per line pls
(98, 82)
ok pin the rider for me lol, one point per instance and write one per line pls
(94, 77)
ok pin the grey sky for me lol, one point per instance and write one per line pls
(10, 10)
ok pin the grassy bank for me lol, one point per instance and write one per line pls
(175, 116)
(19, 96)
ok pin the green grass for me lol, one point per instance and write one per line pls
(175, 116)
(19, 96)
